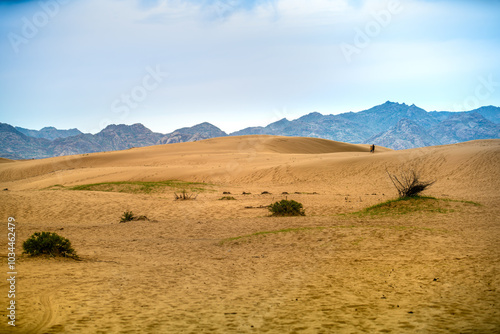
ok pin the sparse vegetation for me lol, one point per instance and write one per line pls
(287, 208)
(47, 243)
(184, 195)
(401, 206)
(140, 187)
(263, 233)
(227, 198)
(257, 207)
(127, 216)
(55, 187)
(303, 230)
(408, 182)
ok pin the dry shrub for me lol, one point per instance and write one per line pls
(184, 195)
(408, 182)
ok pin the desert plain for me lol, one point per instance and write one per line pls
(226, 266)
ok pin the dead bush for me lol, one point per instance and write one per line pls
(408, 182)
(184, 195)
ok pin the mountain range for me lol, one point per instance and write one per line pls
(49, 132)
(393, 125)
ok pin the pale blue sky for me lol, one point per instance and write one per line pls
(174, 63)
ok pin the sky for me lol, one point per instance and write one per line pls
(174, 63)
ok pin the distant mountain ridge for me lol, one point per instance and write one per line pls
(382, 125)
(198, 132)
(393, 125)
(16, 145)
(113, 137)
(49, 132)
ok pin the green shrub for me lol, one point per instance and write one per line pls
(48, 243)
(287, 208)
(127, 216)
(227, 198)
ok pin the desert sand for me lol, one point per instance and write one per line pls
(203, 265)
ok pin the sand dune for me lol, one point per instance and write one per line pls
(219, 157)
(251, 160)
(299, 145)
(428, 271)
(164, 155)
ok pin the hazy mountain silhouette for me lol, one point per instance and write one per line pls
(393, 125)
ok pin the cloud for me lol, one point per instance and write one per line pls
(209, 10)
(239, 61)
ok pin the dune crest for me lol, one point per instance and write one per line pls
(206, 157)
(288, 145)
